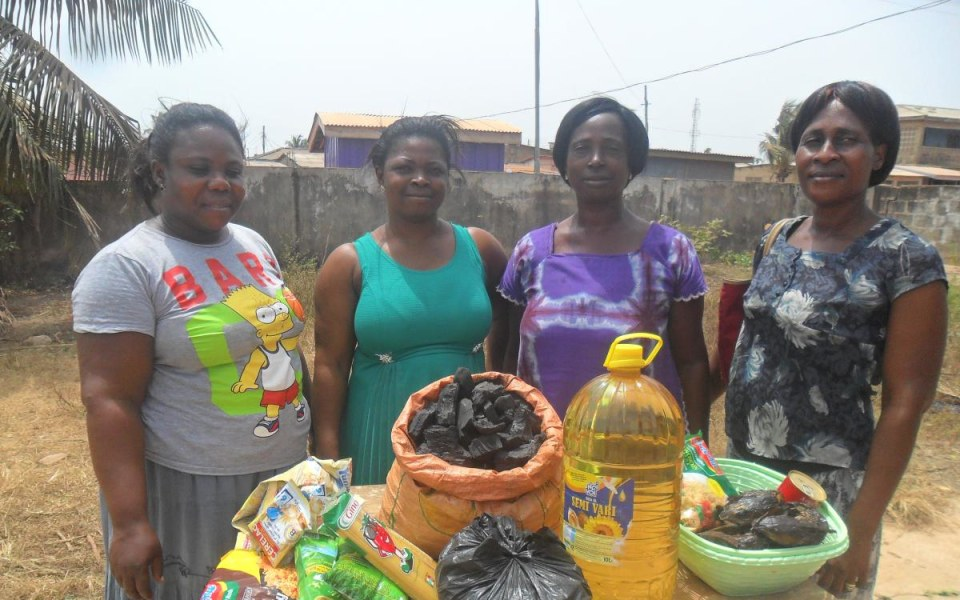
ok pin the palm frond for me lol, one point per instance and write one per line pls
(77, 128)
(152, 30)
(26, 168)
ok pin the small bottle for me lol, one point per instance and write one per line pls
(623, 441)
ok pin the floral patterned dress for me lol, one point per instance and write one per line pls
(812, 344)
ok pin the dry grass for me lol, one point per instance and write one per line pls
(50, 543)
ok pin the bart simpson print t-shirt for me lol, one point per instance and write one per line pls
(225, 396)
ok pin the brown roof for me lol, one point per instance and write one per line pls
(336, 119)
(913, 111)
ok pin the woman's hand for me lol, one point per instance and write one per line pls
(135, 558)
(841, 574)
(115, 369)
(916, 338)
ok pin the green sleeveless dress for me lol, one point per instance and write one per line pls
(412, 328)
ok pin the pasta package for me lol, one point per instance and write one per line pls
(389, 552)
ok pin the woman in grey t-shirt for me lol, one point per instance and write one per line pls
(191, 373)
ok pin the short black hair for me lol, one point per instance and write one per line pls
(638, 143)
(439, 128)
(871, 105)
(158, 144)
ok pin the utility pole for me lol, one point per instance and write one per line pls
(263, 141)
(646, 117)
(536, 87)
(695, 131)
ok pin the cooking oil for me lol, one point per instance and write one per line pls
(623, 440)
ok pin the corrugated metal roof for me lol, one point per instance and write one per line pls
(913, 111)
(714, 156)
(335, 119)
(931, 172)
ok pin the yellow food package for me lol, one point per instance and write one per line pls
(409, 567)
(277, 529)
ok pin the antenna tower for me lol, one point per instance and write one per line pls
(695, 131)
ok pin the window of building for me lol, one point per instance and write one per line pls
(941, 138)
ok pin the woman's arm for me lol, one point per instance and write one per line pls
(685, 330)
(115, 370)
(916, 337)
(335, 298)
(494, 262)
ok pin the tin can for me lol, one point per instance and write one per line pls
(800, 487)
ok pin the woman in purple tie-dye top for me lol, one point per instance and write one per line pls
(603, 272)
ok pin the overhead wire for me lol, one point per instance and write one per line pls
(926, 6)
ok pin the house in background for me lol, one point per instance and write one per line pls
(519, 159)
(345, 140)
(929, 136)
(680, 164)
(292, 157)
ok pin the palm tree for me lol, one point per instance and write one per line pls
(296, 141)
(52, 124)
(776, 144)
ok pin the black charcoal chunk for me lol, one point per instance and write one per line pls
(420, 421)
(506, 402)
(464, 379)
(486, 391)
(490, 412)
(465, 420)
(443, 440)
(504, 460)
(484, 447)
(484, 426)
(447, 405)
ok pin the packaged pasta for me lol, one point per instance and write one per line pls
(390, 553)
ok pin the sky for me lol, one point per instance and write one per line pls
(281, 62)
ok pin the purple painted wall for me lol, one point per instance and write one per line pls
(346, 152)
(481, 157)
(352, 154)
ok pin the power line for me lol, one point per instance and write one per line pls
(604, 48)
(723, 62)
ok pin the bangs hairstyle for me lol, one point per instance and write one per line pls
(638, 143)
(870, 104)
(439, 128)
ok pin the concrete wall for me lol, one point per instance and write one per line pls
(932, 212)
(312, 211)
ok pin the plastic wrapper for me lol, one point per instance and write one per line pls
(238, 576)
(356, 579)
(321, 481)
(700, 499)
(697, 458)
(493, 559)
(278, 528)
(315, 556)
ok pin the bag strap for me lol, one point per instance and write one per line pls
(772, 236)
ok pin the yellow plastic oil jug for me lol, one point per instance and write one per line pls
(623, 440)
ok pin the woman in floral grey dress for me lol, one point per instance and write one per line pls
(846, 299)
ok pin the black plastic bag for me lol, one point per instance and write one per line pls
(493, 559)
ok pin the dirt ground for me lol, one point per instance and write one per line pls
(50, 544)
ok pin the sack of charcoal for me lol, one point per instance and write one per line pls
(470, 444)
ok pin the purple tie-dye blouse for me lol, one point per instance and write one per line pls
(577, 304)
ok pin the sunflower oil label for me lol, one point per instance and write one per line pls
(597, 514)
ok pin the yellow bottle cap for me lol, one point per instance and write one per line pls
(626, 356)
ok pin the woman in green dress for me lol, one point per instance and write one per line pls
(403, 305)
